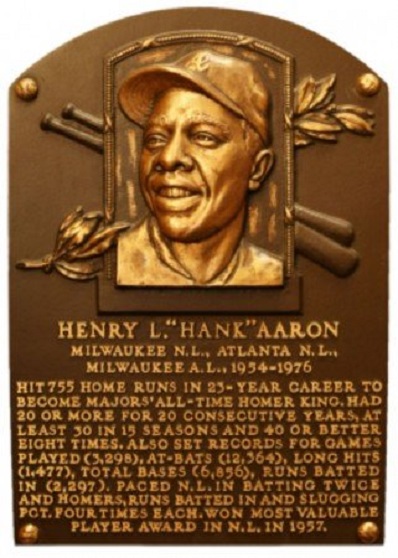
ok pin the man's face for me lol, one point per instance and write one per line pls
(195, 166)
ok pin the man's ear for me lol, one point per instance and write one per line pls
(261, 167)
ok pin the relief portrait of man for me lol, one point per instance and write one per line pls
(205, 148)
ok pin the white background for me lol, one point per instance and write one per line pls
(32, 28)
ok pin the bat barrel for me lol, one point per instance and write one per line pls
(340, 260)
(54, 124)
(335, 228)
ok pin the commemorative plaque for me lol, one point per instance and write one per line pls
(199, 286)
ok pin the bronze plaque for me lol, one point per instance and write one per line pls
(199, 286)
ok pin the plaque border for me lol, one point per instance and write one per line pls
(232, 39)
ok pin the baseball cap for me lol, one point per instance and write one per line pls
(234, 83)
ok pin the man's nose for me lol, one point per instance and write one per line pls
(174, 155)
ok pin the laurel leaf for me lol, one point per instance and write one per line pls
(84, 222)
(85, 230)
(77, 233)
(361, 111)
(323, 136)
(81, 272)
(355, 123)
(323, 93)
(70, 218)
(98, 243)
(326, 102)
(304, 94)
(315, 116)
(318, 122)
(66, 223)
(301, 140)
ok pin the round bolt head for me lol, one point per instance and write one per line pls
(26, 88)
(28, 534)
(368, 532)
(368, 84)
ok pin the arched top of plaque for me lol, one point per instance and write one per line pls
(131, 89)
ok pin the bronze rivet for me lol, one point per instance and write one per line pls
(27, 88)
(368, 84)
(28, 534)
(368, 532)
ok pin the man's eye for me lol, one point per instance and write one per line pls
(205, 139)
(152, 141)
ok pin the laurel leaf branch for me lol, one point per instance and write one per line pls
(317, 118)
(81, 236)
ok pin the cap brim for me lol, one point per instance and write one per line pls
(139, 91)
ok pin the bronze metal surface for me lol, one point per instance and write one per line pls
(27, 89)
(198, 277)
(368, 84)
(28, 534)
(368, 532)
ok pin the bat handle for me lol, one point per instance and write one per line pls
(71, 112)
(340, 260)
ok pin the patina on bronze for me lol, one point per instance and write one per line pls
(204, 358)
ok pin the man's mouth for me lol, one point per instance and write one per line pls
(175, 192)
(176, 198)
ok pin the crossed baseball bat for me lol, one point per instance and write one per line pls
(321, 238)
